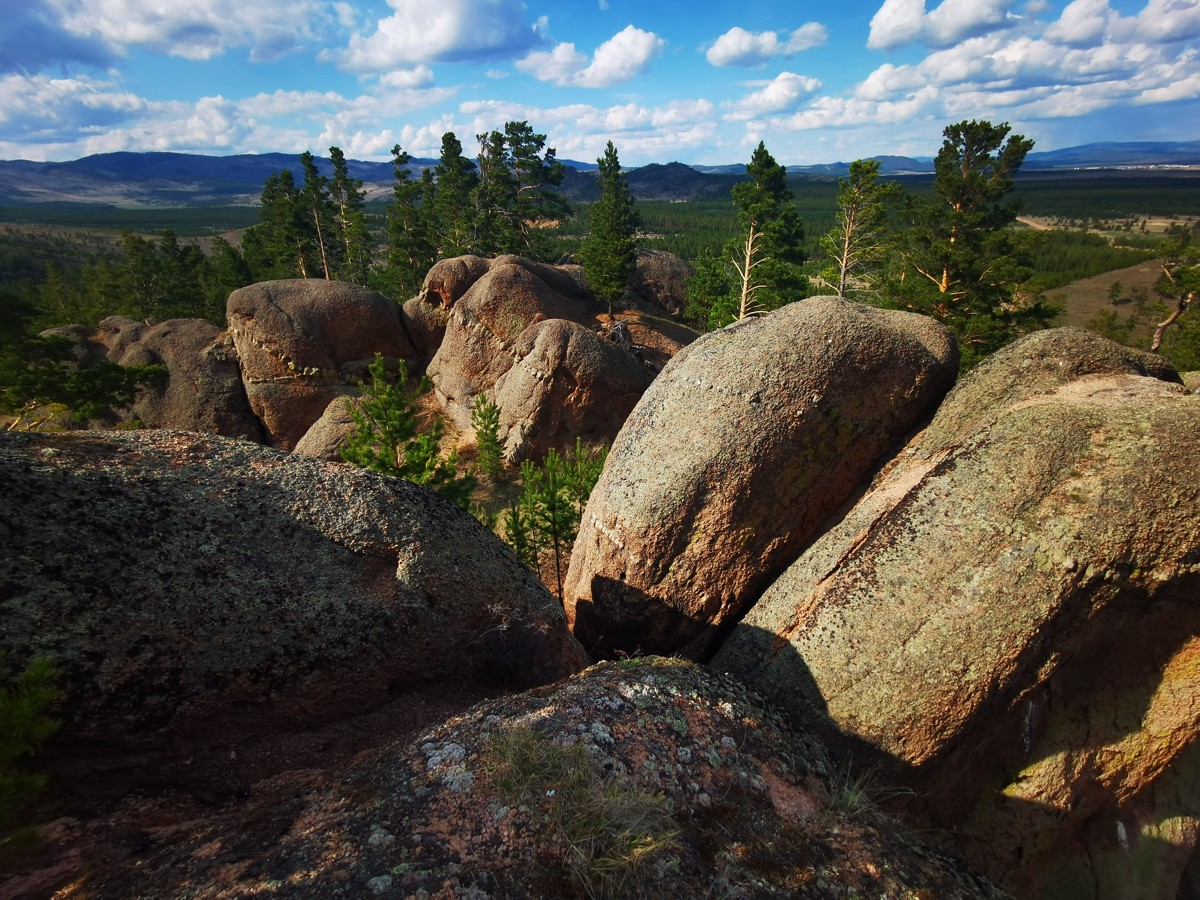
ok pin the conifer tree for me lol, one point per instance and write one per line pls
(860, 238)
(319, 210)
(387, 437)
(962, 264)
(351, 220)
(768, 252)
(411, 250)
(535, 172)
(453, 208)
(609, 250)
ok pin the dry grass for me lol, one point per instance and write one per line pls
(614, 830)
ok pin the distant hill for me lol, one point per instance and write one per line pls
(181, 179)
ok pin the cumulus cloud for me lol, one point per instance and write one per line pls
(419, 31)
(54, 117)
(782, 94)
(901, 22)
(418, 77)
(739, 47)
(623, 57)
(198, 29)
(580, 131)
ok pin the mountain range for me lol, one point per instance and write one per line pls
(181, 179)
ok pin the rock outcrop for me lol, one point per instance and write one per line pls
(499, 342)
(193, 584)
(566, 382)
(300, 341)
(748, 440)
(651, 778)
(1009, 619)
(203, 389)
(661, 280)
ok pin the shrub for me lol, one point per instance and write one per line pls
(25, 700)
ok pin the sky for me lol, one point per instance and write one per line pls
(695, 81)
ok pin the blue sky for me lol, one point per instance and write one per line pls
(699, 82)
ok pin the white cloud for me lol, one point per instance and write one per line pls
(901, 22)
(739, 47)
(198, 29)
(782, 94)
(418, 77)
(623, 57)
(420, 31)
(896, 23)
(1169, 20)
(1083, 23)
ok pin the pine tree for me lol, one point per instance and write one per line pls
(411, 250)
(768, 252)
(386, 437)
(489, 454)
(453, 207)
(609, 250)
(860, 239)
(351, 220)
(495, 200)
(535, 172)
(965, 267)
(319, 210)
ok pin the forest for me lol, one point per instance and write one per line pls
(78, 264)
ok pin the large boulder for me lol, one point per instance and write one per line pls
(748, 440)
(660, 279)
(487, 320)
(203, 389)
(1008, 621)
(185, 583)
(499, 342)
(300, 341)
(654, 778)
(565, 383)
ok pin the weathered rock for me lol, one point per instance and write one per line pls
(192, 584)
(300, 341)
(203, 388)
(485, 323)
(327, 436)
(1011, 617)
(449, 279)
(1191, 380)
(425, 323)
(733, 458)
(651, 778)
(661, 279)
(565, 383)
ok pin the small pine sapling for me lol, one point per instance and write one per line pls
(386, 437)
(485, 416)
(25, 701)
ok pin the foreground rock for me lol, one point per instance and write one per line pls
(302, 341)
(741, 448)
(653, 778)
(191, 584)
(1011, 618)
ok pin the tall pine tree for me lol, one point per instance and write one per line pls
(609, 250)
